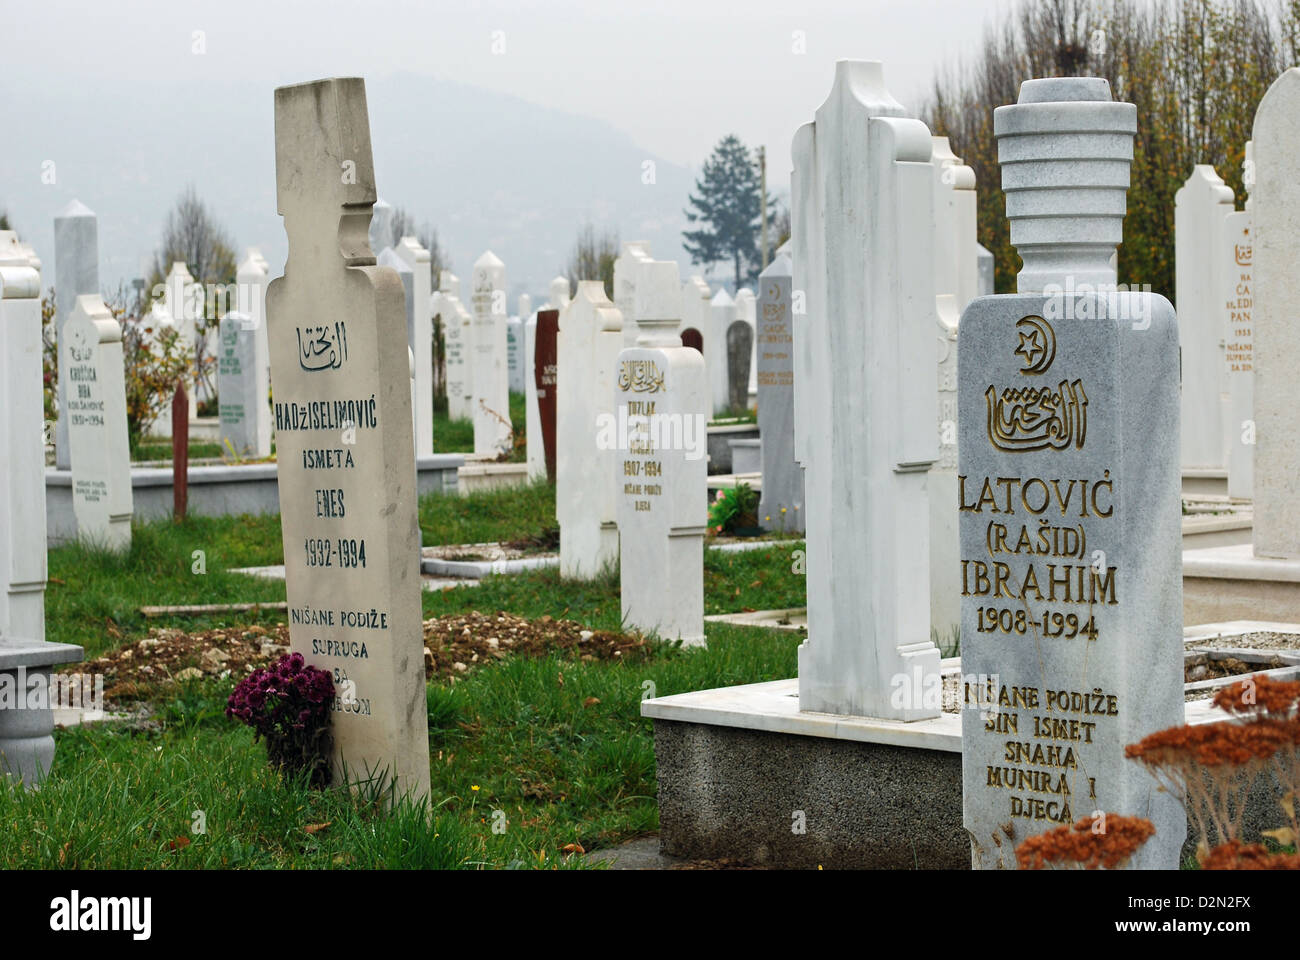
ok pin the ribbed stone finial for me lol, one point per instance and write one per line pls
(1065, 149)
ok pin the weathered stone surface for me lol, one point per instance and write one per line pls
(346, 463)
(740, 347)
(243, 408)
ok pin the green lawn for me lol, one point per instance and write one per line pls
(553, 747)
(457, 436)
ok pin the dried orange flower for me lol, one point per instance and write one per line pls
(1234, 855)
(1077, 845)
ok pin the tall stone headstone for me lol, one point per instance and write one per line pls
(626, 271)
(747, 310)
(781, 505)
(76, 271)
(660, 436)
(865, 399)
(587, 347)
(1070, 497)
(543, 366)
(457, 332)
(91, 360)
(740, 345)
(22, 447)
(1201, 206)
(243, 410)
(956, 255)
(251, 278)
(722, 313)
(984, 259)
(419, 337)
(515, 343)
(492, 430)
(346, 462)
(1275, 207)
(559, 290)
(1236, 289)
(559, 300)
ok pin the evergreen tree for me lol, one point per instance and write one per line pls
(726, 206)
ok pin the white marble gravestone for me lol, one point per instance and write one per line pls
(381, 226)
(626, 271)
(984, 259)
(419, 337)
(781, 506)
(346, 460)
(661, 401)
(22, 446)
(722, 311)
(251, 278)
(243, 410)
(515, 354)
(492, 430)
(586, 485)
(865, 399)
(1275, 208)
(1201, 206)
(1069, 499)
(458, 332)
(91, 361)
(1233, 272)
(956, 254)
(76, 271)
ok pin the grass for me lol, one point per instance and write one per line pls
(457, 436)
(149, 452)
(553, 748)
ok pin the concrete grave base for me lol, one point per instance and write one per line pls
(1230, 583)
(27, 723)
(1199, 481)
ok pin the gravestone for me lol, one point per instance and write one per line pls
(559, 300)
(76, 271)
(346, 461)
(945, 542)
(692, 338)
(492, 430)
(985, 268)
(626, 267)
(91, 362)
(559, 293)
(747, 310)
(660, 436)
(543, 369)
(1275, 208)
(242, 408)
(22, 447)
(251, 279)
(587, 346)
(740, 345)
(781, 504)
(457, 331)
(1200, 207)
(865, 401)
(419, 337)
(956, 257)
(514, 353)
(1234, 275)
(1069, 497)
(722, 313)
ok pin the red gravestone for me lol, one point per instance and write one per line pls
(693, 338)
(548, 325)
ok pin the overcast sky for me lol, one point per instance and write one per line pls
(674, 74)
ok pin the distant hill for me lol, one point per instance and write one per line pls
(487, 170)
